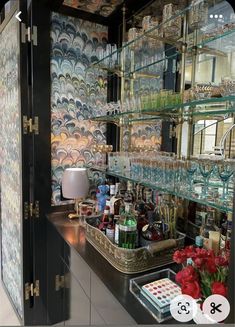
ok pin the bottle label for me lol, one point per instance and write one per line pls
(116, 233)
(127, 228)
(106, 212)
(110, 234)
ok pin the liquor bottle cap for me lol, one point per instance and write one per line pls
(199, 241)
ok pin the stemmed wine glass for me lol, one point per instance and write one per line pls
(206, 168)
(191, 167)
(226, 170)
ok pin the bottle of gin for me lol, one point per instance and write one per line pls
(128, 229)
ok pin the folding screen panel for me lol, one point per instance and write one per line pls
(11, 163)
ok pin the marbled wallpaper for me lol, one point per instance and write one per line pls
(147, 135)
(75, 92)
(11, 180)
(99, 7)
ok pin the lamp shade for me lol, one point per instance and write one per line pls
(75, 183)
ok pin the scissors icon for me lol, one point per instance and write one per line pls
(183, 308)
(215, 307)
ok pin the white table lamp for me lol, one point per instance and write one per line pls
(75, 185)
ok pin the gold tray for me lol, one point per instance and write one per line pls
(132, 261)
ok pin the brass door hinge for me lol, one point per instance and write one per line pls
(29, 126)
(34, 209)
(31, 210)
(29, 34)
(59, 282)
(32, 289)
(26, 210)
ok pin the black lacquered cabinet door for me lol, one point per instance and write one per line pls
(40, 173)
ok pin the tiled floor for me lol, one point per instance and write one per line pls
(7, 314)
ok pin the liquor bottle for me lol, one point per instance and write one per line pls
(151, 232)
(207, 227)
(112, 195)
(139, 202)
(116, 229)
(149, 206)
(200, 215)
(129, 196)
(110, 229)
(105, 218)
(128, 229)
(116, 201)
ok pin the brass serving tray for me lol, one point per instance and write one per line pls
(132, 261)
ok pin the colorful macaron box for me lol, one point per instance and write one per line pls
(160, 293)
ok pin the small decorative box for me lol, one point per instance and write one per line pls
(155, 292)
(160, 293)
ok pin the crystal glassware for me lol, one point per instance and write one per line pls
(198, 14)
(226, 170)
(191, 167)
(171, 21)
(206, 168)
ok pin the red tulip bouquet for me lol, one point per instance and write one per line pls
(206, 275)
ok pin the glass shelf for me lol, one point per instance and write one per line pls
(220, 44)
(204, 107)
(137, 72)
(127, 177)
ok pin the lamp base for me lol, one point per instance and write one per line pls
(73, 216)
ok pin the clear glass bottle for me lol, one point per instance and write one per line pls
(128, 229)
(210, 226)
(200, 215)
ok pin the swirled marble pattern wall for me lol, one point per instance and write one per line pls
(11, 181)
(99, 7)
(75, 91)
